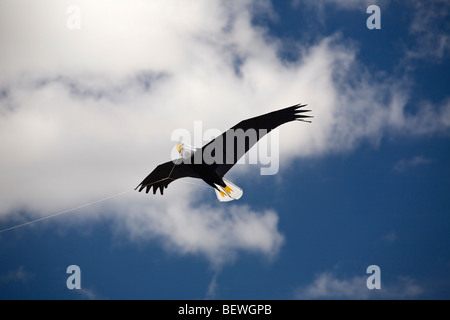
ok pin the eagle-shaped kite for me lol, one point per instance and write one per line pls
(211, 162)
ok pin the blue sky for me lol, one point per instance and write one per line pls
(86, 113)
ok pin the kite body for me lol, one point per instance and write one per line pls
(211, 162)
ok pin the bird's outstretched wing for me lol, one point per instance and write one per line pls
(245, 134)
(164, 174)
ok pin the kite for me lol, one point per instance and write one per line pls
(211, 162)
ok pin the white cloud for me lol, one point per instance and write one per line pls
(328, 286)
(405, 164)
(321, 8)
(212, 288)
(389, 237)
(212, 231)
(16, 275)
(431, 28)
(429, 119)
(87, 294)
(88, 113)
(347, 5)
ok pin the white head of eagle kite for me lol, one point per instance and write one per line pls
(211, 162)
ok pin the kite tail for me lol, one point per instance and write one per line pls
(229, 193)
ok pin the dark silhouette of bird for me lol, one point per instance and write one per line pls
(211, 162)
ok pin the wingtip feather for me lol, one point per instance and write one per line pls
(298, 112)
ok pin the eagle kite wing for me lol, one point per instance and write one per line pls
(246, 138)
(164, 174)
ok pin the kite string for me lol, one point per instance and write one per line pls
(66, 211)
(83, 206)
(195, 184)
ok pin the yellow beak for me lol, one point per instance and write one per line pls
(179, 147)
